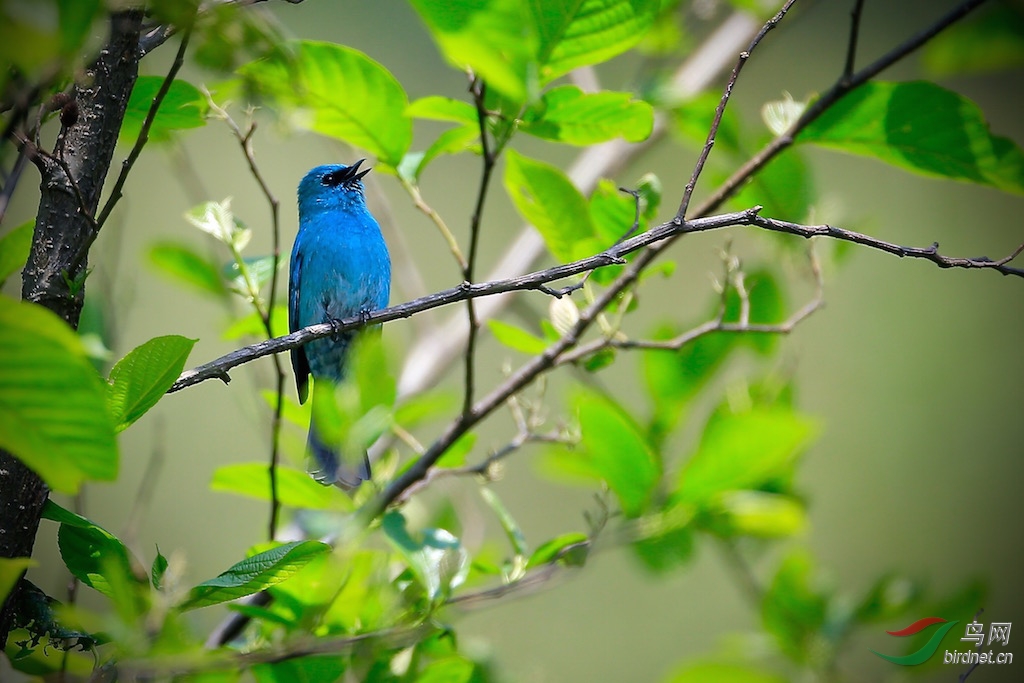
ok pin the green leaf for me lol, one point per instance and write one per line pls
(422, 407)
(566, 114)
(368, 367)
(14, 249)
(889, 597)
(617, 452)
(183, 107)
(715, 672)
(92, 554)
(53, 414)
(75, 19)
(11, 571)
(301, 670)
(516, 338)
(182, 263)
(142, 377)
(259, 269)
(922, 128)
(794, 608)
(513, 532)
(437, 559)
(673, 378)
(157, 571)
(251, 325)
(575, 33)
(743, 451)
(456, 454)
(255, 573)
(294, 488)
(447, 670)
(561, 547)
(546, 197)
(339, 92)
(613, 213)
(217, 220)
(757, 513)
(665, 551)
(692, 119)
(451, 141)
(991, 39)
(437, 108)
(493, 38)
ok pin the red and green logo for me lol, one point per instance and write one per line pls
(929, 648)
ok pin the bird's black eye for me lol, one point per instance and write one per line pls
(334, 178)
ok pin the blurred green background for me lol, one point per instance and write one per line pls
(915, 373)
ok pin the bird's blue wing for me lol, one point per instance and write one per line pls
(300, 364)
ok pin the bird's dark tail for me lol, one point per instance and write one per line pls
(330, 467)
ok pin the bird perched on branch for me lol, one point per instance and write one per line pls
(340, 267)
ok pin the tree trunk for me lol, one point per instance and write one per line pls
(54, 276)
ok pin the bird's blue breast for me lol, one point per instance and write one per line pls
(340, 268)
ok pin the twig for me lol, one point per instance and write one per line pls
(265, 313)
(838, 90)
(698, 168)
(489, 154)
(851, 46)
(140, 142)
(716, 324)
(435, 218)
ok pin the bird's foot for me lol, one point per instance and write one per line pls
(337, 329)
(364, 314)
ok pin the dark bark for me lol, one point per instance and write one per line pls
(54, 276)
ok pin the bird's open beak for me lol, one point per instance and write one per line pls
(353, 171)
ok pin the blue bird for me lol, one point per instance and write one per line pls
(340, 267)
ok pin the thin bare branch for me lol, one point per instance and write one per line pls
(218, 369)
(851, 46)
(147, 123)
(265, 312)
(709, 143)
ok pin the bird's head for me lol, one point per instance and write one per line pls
(332, 187)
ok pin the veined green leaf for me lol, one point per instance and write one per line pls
(575, 33)
(183, 107)
(53, 413)
(294, 488)
(142, 377)
(14, 249)
(547, 198)
(492, 37)
(920, 127)
(92, 554)
(567, 114)
(255, 573)
(345, 94)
